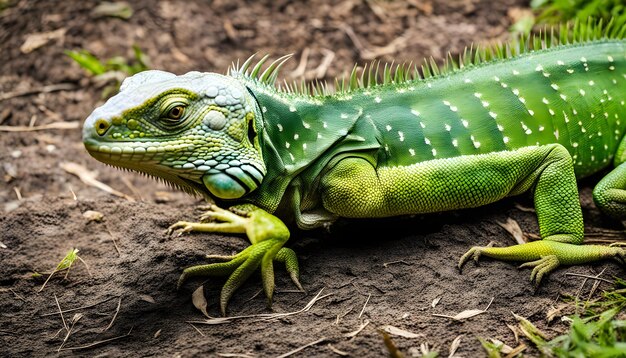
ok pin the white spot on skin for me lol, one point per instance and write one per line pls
(287, 145)
(467, 80)
(515, 72)
(416, 113)
(485, 104)
(478, 95)
(505, 139)
(610, 58)
(292, 109)
(434, 152)
(515, 91)
(448, 127)
(560, 63)
(388, 127)
(556, 134)
(412, 151)
(591, 83)
(551, 111)
(500, 128)
(570, 71)
(575, 145)
(344, 116)
(555, 86)
(496, 78)
(545, 100)
(455, 143)
(531, 112)
(581, 91)
(465, 123)
(493, 115)
(377, 99)
(422, 124)
(446, 103)
(303, 146)
(541, 128)
(319, 135)
(528, 132)
(306, 125)
(426, 140)
(612, 68)
(453, 108)
(325, 125)
(401, 136)
(504, 85)
(583, 59)
(539, 68)
(476, 145)
(280, 127)
(522, 99)
(296, 136)
(563, 97)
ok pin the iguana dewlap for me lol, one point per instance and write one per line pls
(530, 116)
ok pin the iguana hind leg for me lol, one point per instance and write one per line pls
(266, 233)
(356, 188)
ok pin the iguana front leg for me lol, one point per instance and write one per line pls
(266, 233)
(355, 188)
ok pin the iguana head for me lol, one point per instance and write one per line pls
(197, 131)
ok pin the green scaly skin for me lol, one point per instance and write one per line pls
(508, 122)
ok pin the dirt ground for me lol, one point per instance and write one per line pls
(383, 279)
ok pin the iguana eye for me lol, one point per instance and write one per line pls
(176, 112)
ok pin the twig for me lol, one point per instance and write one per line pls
(44, 89)
(77, 308)
(60, 312)
(53, 125)
(77, 317)
(386, 264)
(304, 59)
(113, 239)
(84, 263)
(18, 193)
(587, 276)
(366, 301)
(117, 310)
(196, 328)
(358, 330)
(99, 342)
(329, 56)
(301, 348)
(340, 316)
(17, 295)
(265, 316)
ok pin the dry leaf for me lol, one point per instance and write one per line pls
(37, 40)
(513, 228)
(121, 10)
(147, 298)
(455, 345)
(435, 302)
(199, 301)
(400, 332)
(465, 314)
(91, 215)
(89, 178)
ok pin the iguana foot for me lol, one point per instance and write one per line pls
(266, 233)
(546, 255)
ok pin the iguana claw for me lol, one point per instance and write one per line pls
(266, 233)
(546, 255)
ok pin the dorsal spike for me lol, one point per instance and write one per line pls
(271, 72)
(257, 68)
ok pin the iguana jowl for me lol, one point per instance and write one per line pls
(522, 116)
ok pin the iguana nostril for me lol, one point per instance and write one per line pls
(102, 126)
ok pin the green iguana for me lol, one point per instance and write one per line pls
(529, 115)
